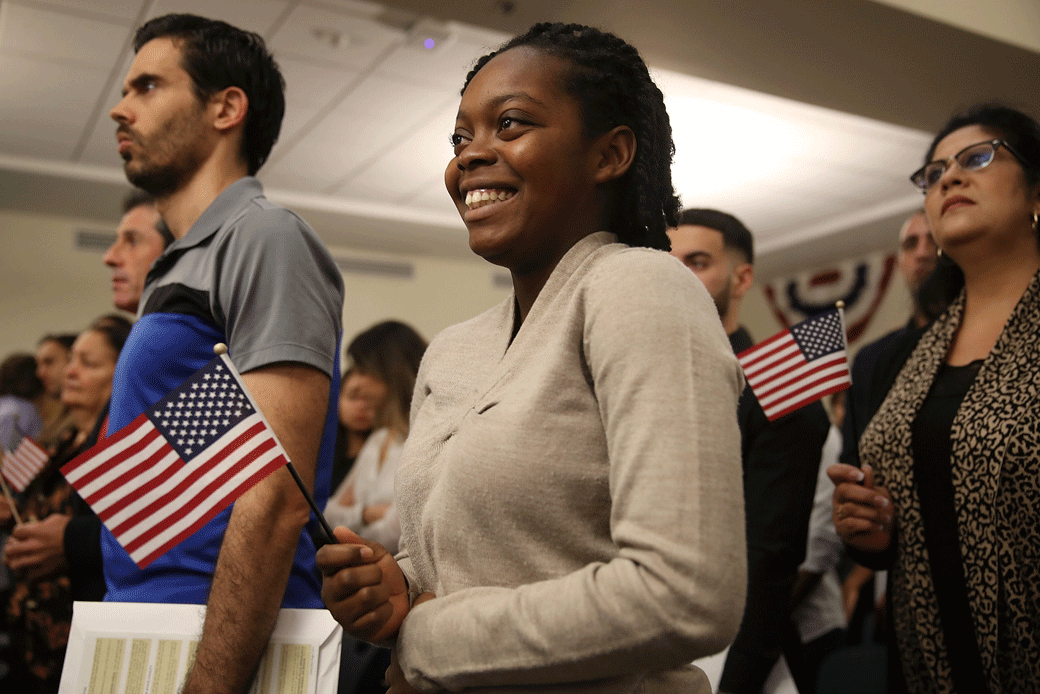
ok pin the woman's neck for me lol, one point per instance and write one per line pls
(355, 441)
(993, 286)
(83, 419)
(992, 281)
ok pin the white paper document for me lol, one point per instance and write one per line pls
(131, 648)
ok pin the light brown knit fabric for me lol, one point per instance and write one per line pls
(574, 499)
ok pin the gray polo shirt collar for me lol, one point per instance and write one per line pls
(233, 199)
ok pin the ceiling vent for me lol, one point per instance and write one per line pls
(93, 241)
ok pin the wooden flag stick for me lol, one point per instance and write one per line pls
(10, 501)
(220, 348)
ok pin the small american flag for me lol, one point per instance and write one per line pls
(21, 466)
(170, 471)
(799, 365)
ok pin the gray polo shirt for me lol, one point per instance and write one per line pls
(253, 275)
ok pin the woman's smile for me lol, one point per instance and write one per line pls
(483, 197)
(522, 176)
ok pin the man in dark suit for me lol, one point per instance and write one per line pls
(781, 459)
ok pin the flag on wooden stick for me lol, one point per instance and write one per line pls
(799, 365)
(184, 460)
(23, 464)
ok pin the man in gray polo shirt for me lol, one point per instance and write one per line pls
(202, 107)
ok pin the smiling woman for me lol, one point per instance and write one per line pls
(569, 495)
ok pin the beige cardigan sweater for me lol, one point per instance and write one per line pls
(574, 498)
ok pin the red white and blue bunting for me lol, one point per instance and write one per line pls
(861, 283)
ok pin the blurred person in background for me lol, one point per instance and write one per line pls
(374, 410)
(915, 259)
(359, 398)
(21, 393)
(52, 356)
(384, 362)
(818, 612)
(54, 554)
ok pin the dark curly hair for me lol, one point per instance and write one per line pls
(18, 377)
(216, 56)
(612, 85)
(1016, 128)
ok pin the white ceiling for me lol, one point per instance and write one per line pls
(365, 139)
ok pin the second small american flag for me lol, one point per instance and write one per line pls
(799, 365)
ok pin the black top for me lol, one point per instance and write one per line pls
(933, 475)
(781, 461)
(871, 359)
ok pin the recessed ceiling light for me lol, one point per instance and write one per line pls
(330, 37)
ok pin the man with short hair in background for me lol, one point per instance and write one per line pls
(780, 458)
(202, 107)
(141, 237)
(915, 259)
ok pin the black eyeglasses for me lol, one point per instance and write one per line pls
(971, 158)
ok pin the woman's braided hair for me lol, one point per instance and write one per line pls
(613, 87)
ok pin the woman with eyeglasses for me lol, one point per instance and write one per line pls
(948, 496)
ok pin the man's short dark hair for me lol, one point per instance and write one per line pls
(735, 235)
(18, 377)
(216, 56)
(137, 198)
(65, 340)
(142, 198)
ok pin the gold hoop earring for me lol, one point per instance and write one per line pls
(938, 252)
(1036, 223)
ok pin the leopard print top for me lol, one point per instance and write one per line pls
(996, 470)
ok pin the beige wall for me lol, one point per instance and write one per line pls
(45, 284)
(441, 293)
(48, 286)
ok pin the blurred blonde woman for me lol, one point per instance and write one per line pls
(55, 555)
